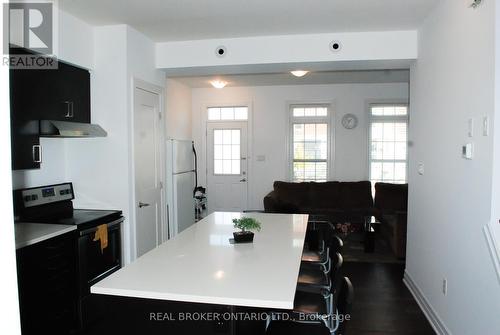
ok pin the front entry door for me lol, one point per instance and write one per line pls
(147, 141)
(227, 166)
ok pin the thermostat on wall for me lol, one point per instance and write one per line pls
(468, 151)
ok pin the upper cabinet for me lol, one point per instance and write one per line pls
(61, 94)
(68, 94)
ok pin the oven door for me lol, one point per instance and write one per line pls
(96, 264)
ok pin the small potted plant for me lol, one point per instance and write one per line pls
(246, 225)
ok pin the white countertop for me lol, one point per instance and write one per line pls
(31, 233)
(200, 265)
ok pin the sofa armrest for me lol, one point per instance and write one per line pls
(398, 222)
(271, 202)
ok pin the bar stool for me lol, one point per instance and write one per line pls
(343, 305)
(328, 241)
(315, 280)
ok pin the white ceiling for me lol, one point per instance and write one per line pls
(313, 78)
(169, 20)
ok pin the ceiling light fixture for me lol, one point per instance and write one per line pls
(299, 73)
(218, 83)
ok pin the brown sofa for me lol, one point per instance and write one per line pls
(347, 202)
(341, 201)
(391, 203)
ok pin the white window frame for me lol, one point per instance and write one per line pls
(328, 119)
(387, 118)
(228, 120)
(225, 125)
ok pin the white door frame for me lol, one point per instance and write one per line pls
(146, 86)
(204, 139)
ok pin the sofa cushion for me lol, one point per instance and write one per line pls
(391, 197)
(288, 208)
(356, 195)
(292, 194)
(325, 195)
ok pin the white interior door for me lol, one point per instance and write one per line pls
(227, 166)
(147, 170)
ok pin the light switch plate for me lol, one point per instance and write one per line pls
(486, 126)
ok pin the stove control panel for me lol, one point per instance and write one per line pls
(47, 194)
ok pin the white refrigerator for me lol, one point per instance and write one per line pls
(181, 182)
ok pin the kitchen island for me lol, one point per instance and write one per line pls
(201, 269)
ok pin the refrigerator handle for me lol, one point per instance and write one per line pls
(195, 170)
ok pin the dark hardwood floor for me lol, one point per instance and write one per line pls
(382, 303)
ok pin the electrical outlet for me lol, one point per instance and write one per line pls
(445, 286)
(421, 169)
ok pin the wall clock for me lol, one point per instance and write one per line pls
(350, 121)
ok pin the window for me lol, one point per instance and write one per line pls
(227, 113)
(388, 143)
(227, 158)
(309, 142)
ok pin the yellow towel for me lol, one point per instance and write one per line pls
(102, 235)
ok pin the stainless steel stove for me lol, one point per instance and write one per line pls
(54, 204)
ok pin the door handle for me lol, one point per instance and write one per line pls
(243, 180)
(37, 149)
(142, 204)
(69, 110)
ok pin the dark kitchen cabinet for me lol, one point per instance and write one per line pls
(61, 94)
(68, 96)
(47, 282)
(26, 149)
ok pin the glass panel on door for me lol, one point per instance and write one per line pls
(226, 158)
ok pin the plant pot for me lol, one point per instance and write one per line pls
(243, 237)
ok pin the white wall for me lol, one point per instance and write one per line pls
(389, 45)
(178, 111)
(102, 168)
(141, 58)
(269, 119)
(453, 80)
(75, 41)
(98, 167)
(494, 228)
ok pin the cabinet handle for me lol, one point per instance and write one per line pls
(37, 148)
(69, 109)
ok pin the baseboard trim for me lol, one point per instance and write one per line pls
(493, 248)
(435, 321)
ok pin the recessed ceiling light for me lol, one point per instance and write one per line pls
(299, 73)
(218, 83)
